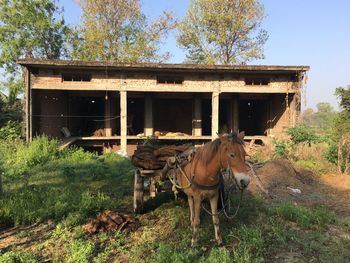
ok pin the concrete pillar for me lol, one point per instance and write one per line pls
(148, 129)
(293, 111)
(197, 116)
(214, 115)
(123, 120)
(108, 121)
(235, 109)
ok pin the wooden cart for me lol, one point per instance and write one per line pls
(154, 176)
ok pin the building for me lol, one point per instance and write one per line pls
(115, 105)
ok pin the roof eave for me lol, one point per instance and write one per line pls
(154, 66)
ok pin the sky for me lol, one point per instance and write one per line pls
(315, 33)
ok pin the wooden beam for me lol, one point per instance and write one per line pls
(123, 120)
(197, 116)
(215, 115)
(148, 129)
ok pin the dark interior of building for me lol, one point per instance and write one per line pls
(136, 115)
(253, 116)
(174, 115)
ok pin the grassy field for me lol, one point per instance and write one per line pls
(47, 200)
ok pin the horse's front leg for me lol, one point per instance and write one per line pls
(215, 217)
(190, 204)
(196, 220)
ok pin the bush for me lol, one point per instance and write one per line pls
(303, 134)
(331, 154)
(38, 152)
(281, 147)
(10, 131)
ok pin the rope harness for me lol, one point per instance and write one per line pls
(226, 180)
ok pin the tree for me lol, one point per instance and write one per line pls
(118, 30)
(29, 29)
(324, 116)
(307, 117)
(322, 119)
(342, 120)
(223, 31)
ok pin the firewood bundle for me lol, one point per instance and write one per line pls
(154, 157)
(112, 221)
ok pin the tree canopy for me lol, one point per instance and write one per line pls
(342, 120)
(223, 31)
(321, 119)
(118, 30)
(30, 29)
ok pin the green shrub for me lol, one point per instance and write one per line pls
(303, 134)
(331, 154)
(18, 257)
(77, 155)
(10, 131)
(305, 217)
(39, 151)
(281, 147)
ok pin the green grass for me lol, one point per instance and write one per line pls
(18, 257)
(64, 189)
(74, 184)
(305, 217)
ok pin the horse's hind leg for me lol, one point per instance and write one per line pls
(215, 217)
(196, 219)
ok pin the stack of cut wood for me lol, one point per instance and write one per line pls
(111, 221)
(154, 157)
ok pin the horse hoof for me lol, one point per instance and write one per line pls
(219, 242)
(193, 243)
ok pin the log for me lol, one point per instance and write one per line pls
(155, 157)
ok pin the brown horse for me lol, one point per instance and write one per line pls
(200, 178)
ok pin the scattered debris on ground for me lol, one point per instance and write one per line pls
(112, 221)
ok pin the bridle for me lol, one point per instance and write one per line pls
(191, 182)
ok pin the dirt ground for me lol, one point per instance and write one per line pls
(284, 182)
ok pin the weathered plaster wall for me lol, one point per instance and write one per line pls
(193, 82)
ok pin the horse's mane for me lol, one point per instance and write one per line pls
(207, 152)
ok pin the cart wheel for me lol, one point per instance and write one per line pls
(138, 192)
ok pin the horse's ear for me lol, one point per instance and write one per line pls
(241, 135)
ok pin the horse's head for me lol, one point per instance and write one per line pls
(233, 157)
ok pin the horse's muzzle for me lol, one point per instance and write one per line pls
(244, 182)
